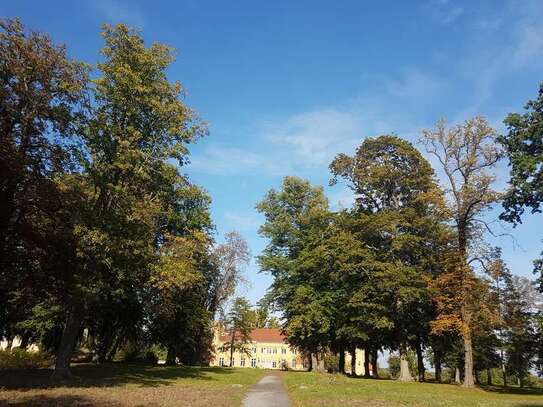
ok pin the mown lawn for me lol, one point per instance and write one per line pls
(119, 384)
(312, 389)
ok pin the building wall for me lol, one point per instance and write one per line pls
(264, 355)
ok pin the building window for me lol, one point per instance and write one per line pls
(242, 362)
(253, 362)
(293, 365)
(284, 351)
(269, 350)
(263, 350)
(221, 361)
(274, 350)
(254, 350)
(274, 364)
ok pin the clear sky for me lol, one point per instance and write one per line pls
(285, 85)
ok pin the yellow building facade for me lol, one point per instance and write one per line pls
(268, 349)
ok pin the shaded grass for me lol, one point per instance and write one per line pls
(313, 389)
(119, 384)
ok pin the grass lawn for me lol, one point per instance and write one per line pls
(312, 389)
(128, 385)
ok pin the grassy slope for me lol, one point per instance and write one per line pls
(122, 384)
(311, 389)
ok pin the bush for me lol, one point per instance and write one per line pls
(136, 356)
(21, 359)
(331, 363)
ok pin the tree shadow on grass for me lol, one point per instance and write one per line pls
(42, 400)
(108, 375)
(535, 391)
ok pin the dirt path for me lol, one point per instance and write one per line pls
(268, 392)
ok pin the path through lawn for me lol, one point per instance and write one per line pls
(311, 389)
(129, 385)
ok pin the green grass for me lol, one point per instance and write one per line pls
(128, 384)
(312, 389)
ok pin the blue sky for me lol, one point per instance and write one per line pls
(285, 85)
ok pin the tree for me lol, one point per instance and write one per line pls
(136, 125)
(230, 258)
(240, 322)
(42, 100)
(396, 192)
(466, 153)
(524, 147)
(520, 299)
(296, 217)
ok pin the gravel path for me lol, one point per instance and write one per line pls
(268, 392)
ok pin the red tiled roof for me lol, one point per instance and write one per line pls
(262, 335)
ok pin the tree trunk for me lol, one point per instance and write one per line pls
(405, 374)
(489, 377)
(468, 362)
(170, 356)
(504, 373)
(25, 339)
(457, 375)
(341, 366)
(67, 343)
(366, 361)
(437, 364)
(468, 348)
(314, 362)
(320, 366)
(113, 350)
(375, 365)
(9, 344)
(353, 361)
(232, 348)
(421, 370)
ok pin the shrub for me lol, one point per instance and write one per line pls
(21, 359)
(331, 363)
(136, 356)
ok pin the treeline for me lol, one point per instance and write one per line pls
(406, 268)
(104, 243)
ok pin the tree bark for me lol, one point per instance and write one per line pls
(374, 362)
(405, 374)
(421, 370)
(341, 366)
(9, 344)
(25, 339)
(504, 373)
(353, 361)
(314, 362)
(367, 362)
(437, 364)
(457, 375)
(320, 365)
(113, 350)
(170, 356)
(67, 343)
(232, 348)
(468, 362)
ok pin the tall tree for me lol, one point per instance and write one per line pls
(296, 217)
(467, 153)
(229, 260)
(42, 99)
(524, 147)
(239, 323)
(396, 192)
(138, 122)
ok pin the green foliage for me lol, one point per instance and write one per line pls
(524, 147)
(22, 359)
(394, 365)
